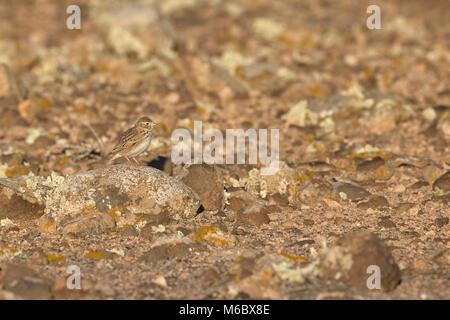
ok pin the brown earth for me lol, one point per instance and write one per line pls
(364, 131)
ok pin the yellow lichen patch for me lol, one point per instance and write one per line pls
(317, 92)
(48, 226)
(203, 231)
(291, 257)
(88, 210)
(2, 252)
(80, 111)
(61, 161)
(199, 110)
(45, 103)
(267, 273)
(334, 196)
(141, 219)
(95, 255)
(16, 171)
(370, 155)
(55, 258)
(304, 175)
(210, 235)
(310, 137)
(116, 212)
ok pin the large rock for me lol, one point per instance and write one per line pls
(207, 183)
(89, 196)
(349, 259)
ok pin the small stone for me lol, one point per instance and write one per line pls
(168, 252)
(440, 222)
(403, 207)
(377, 202)
(443, 182)
(386, 223)
(13, 206)
(254, 217)
(418, 185)
(279, 199)
(372, 170)
(258, 286)
(442, 258)
(23, 282)
(443, 127)
(210, 276)
(91, 224)
(347, 261)
(354, 193)
(161, 281)
(431, 173)
(236, 204)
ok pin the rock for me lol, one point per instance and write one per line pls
(385, 115)
(440, 222)
(169, 251)
(431, 173)
(386, 223)
(11, 118)
(347, 261)
(418, 185)
(14, 206)
(209, 276)
(133, 190)
(249, 210)
(373, 170)
(443, 182)
(375, 202)
(352, 192)
(279, 199)
(23, 282)
(442, 258)
(212, 236)
(313, 191)
(257, 286)
(236, 204)
(443, 127)
(206, 181)
(253, 216)
(94, 223)
(403, 207)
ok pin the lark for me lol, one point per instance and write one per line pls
(134, 141)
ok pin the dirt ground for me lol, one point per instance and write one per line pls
(364, 147)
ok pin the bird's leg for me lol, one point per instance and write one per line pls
(135, 160)
(128, 160)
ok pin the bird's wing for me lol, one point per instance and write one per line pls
(123, 138)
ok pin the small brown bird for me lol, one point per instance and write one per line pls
(134, 141)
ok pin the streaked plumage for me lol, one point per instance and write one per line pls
(134, 141)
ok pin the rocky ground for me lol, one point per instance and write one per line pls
(364, 131)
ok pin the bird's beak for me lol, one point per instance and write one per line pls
(156, 125)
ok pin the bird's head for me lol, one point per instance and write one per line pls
(146, 123)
